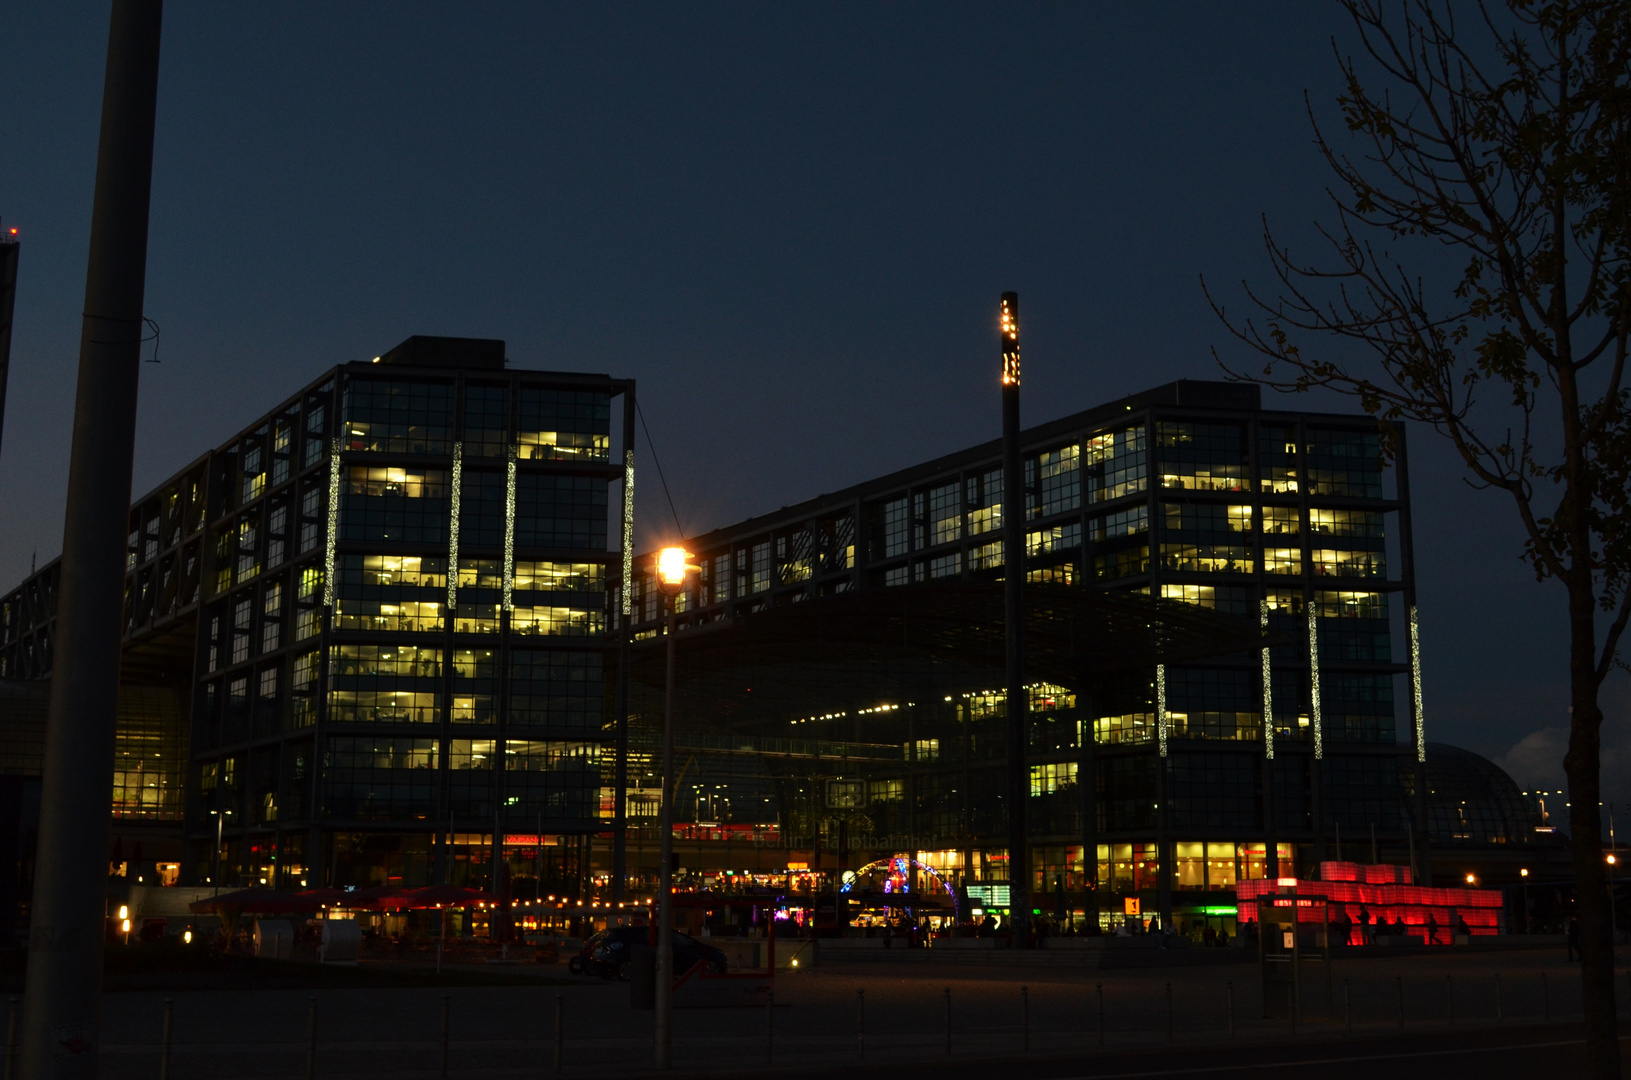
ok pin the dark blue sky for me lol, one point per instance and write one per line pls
(789, 222)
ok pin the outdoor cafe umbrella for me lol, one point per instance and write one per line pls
(382, 897)
(256, 899)
(259, 900)
(443, 897)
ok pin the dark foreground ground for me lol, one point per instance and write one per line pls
(376, 1022)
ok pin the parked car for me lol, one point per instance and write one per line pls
(608, 953)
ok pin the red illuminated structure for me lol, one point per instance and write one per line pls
(1388, 896)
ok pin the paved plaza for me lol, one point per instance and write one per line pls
(891, 1011)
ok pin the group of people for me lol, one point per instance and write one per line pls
(1344, 924)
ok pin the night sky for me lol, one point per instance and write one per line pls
(790, 223)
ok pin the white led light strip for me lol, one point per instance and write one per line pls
(453, 533)
(333, 521)
(1314, 681)
(509, 531)
(628, 535)
(1268, 686)
(1415, 687)
(1161, 707)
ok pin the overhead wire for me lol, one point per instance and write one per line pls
(659, 466)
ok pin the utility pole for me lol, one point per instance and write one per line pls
(9, 251)
(1013, 580)
(61, 1008)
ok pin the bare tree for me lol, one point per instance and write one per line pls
(1476, 277)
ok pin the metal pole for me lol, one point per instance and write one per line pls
(1400, 980)
(60, 1036)
(9, 252)
(560, 1033)
(164, 1039)
(1231, 990)
(1169, 1014)
(665, 883)
(1013, 576)
(1025, 1019)
(1545, 997)
(620, 790)
(948, 1021)
(1500, 1013)
(1098, 989)
(446, 1024)
(11, 1038)
(1449, 998)
(770, 1027)
(860, 1025)
(1347, 1008)
(311, 1040)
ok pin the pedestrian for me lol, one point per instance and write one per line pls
(1365, 936)
(1432, 929)
(1574, 939)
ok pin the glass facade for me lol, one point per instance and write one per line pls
(1182, 780)
(389, 598)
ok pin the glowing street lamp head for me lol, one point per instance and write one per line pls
(1010, 339)
(673, 566)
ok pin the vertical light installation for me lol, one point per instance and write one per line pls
(1268, 684)
(1314, 681)
(1013, 581)
(1161, 707)
(331, 535)
(628, 537)
(509, 532)
(1415, 687)
(453, 534)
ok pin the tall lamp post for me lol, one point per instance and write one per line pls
(1013, 588)
(673, 567)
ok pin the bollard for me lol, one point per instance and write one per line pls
(560, 1033)
(164, 1042)
(1400, 980)
(1024, 1019)
(11, 1039)
(311, 1040)
(1449, 998)
(770, 1027)
(948, 1021)
(444, 1034)
(1169, 1014)
(1545, 998)
(860, 1025)
(1231, 988)
(1500, 1013)
(1347, 1009)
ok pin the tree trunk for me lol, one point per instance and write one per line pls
(1581, 764)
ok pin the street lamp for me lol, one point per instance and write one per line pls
(673, 566)
(1523, 873)
(1613, 916)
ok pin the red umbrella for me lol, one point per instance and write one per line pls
(444, 896)
(258, 899)
(325, 897)
(384, 897)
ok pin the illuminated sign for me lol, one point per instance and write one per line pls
(989, 895)
(1129, 905)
